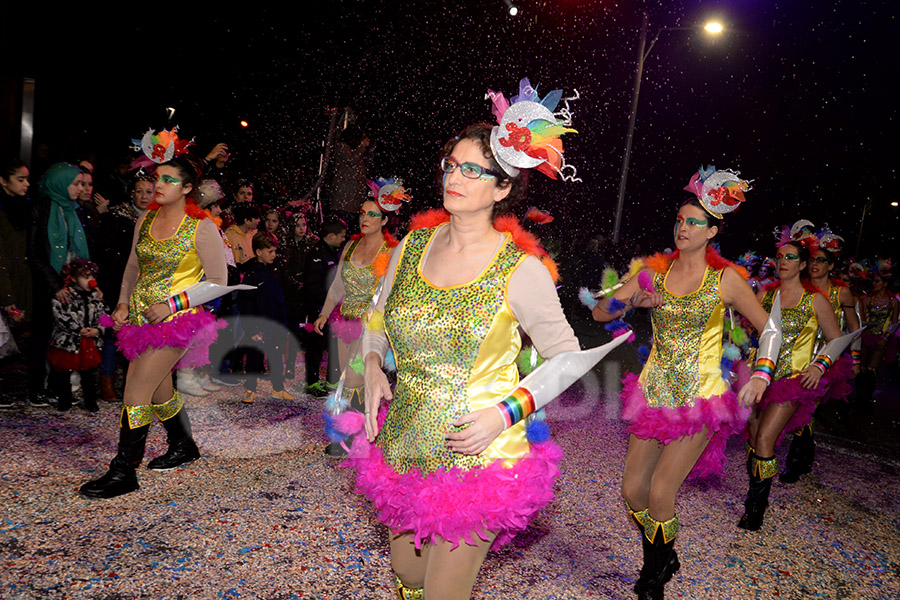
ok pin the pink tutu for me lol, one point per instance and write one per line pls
(833, 385)
(348, 330)
(722, 416)
(195, 331)
(457, 505)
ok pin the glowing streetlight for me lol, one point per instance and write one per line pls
(513, 10)
(895, 203)
(245, 124)
(712, 28)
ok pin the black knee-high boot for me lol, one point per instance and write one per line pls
(800, 456)
(761, 473)
(121, 477)
(182, 448)
(660, 558)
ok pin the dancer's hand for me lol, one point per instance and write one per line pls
(752, 392)
(64, 296)
(486, 425)
(120, 316)
(376, 388)
(320, 323)
(90, 332)
(811, 377)
(157, 312)
(645, 299)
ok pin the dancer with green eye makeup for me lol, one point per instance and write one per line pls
(799, 377)
(682, 408)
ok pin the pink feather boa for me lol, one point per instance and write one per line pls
(195, 331)
(457, 505)
(833, 385)
(348, 330)
(722, 416)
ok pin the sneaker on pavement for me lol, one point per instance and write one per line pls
(39, 401)
(248, 397)
(317, 389)
(282, 395)
(226, 380)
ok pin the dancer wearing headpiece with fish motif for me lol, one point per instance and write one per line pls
(829, 246)
(160, 323)
(452, 471)
(682, 408)
(799, 377)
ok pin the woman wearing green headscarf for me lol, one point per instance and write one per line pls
(56, 236)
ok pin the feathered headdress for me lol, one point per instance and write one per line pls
(802, 232)
(528, 132)
(720, 192)
(748, 260)
(159, 147)
(389, 193)
(828, 240)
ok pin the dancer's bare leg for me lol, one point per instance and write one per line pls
(772, 422)
(640, 462)
(407, 562)
(451, 572)
(150, 377)
(672, 468)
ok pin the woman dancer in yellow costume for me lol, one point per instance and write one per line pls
(175, 246)
(681, 409)
(452, 472)
(796, 389)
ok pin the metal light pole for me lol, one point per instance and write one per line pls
(714, 28)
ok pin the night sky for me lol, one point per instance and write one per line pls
(795, 95)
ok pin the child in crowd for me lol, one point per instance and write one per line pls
(264, 318)
(76, 339)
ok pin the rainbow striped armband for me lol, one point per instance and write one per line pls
(516, 407)
(823, 362)
(856, 356)
(765, 369)
(178, 302)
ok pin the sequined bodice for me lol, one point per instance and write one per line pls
(877, 316)
(798, 330)
(165, 267)
(684, 363)
(455, 349)
(834, 298)
(359, 283)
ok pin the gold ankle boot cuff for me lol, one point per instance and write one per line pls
(764, 468)
(652, 527)
(170, 407)
(638, 516)
(138, 415)
(407, 593)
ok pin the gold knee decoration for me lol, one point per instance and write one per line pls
(764, 468)
(652, 527)
(170, 407)
(639, 516)
(406, 593)
(138, 415)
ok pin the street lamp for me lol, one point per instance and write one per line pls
(712, 28)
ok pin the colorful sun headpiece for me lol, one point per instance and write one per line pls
(389, 193)
(720, 192)
(159, 147)
(528, 132)
(802, 232)
(748, 260)
(828, 240)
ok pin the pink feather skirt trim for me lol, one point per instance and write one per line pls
(722, 416)
(457, 505)
(348, 330)
(835, 384)
(196, 331)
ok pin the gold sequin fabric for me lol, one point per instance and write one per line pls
(878, 317)
(359, 283)
(157, 262)
(794, 321)
(652, 527)
(138, 415)
(678, 360)
(170, 407)
(834, 297)
(436, 334)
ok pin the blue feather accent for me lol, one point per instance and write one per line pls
(335, 405)
(587, 298)
(333, 434)
(643, 354)
(615, 305)
(616, 325)
(725, 365)
(389, 363)
(731, 352)
(537, 431)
